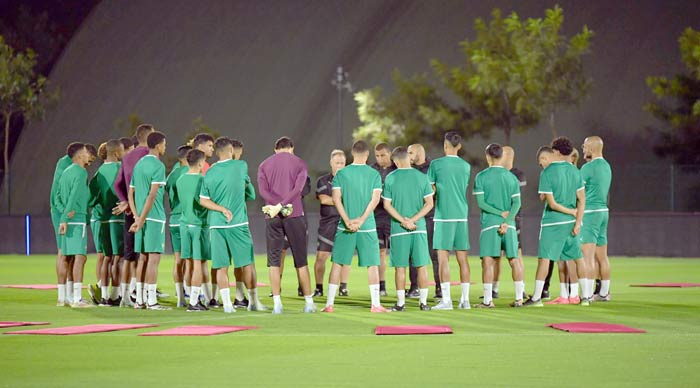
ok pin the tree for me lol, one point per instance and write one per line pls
(677, 104)
(127, 126)
(514, 73)
(198, 126)
(22, 93)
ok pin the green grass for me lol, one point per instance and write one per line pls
(500, 347)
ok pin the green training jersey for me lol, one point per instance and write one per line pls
(73, 194)
(149, 171)
(450, 175)
(498, 186)
(407, 188)
(226, 184)
(102, 192)
(173, 196)
(61, 165)
(562, 180)
(357, 183)
(189, 185)
(597, 177)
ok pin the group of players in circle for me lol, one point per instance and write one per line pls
(414, 208)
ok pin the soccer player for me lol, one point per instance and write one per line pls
(146, 192)
(127, 143)
(383, 165)
(449, 176)
(73, 197)
(408, 197)
(419, 161)
(328, 224)
(178, 169)
(356, 191)
(64, 296)
(95, 225)
(597, 177)
(497, 193)
(224, 191)
(281, 179)
(193, 235)
(111, 226)
(565, 199)
(131, 268)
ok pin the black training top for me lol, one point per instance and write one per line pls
(324, 185)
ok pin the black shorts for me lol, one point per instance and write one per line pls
(326, 235)
(383, 232)
(517, 228)
(294, 229)
(430, 227)
(129, 253)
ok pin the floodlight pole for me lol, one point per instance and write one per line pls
(341, 83)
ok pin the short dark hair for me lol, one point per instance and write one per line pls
(399, 153)
(202, 138)
(112, 145)
(383, 146)
(126, 142)
(360, 147)
(143, 130)
(194, 156)
(222, 143)
(284, 142)
(135, 141)
(155, 138)
(182, 151)
(563, 145)
(91, 149)
(237, 144)
(453, 138)
(494, 150)
(74, 148)
(543, 149)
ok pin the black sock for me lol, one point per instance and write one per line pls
(382, 285)
(343, 286)
(319, 286)
(597, 287)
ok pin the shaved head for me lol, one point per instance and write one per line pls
(592, 147)
(508, 157)
(416, 153)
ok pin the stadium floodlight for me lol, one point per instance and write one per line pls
(341, 83)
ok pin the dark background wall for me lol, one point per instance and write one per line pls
(259, 70)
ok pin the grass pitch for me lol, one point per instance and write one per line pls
(499, 347)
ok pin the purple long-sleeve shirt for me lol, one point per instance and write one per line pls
(281, 179)
(121, 184)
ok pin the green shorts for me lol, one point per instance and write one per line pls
(112, 237)
(150, 238)
(56, 221)
(409, 245)
(74, 242)
(594, 228)
(231, 245)
(451, 235)
(95, 227)
(365, 242)
(491, 243)
(175, 238)
(194, 242)
(557, 243)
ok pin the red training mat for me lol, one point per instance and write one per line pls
(594, 327)
(32, 286)
(15, 324)
(257, 284)
(674, 285)
(86, 329)
(197, 330)
(431, 283)
(403, 330)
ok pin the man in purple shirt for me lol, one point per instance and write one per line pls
(121, 187)
(281, 179)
